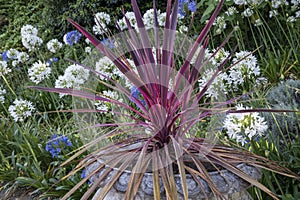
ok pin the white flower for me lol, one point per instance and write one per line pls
(30, 40)
(28, 30)
(291, 19)
(21, 110)
(148, 18)
(12, 53)
(258, 22)
(161, 19)
(217, 88)
(220, 22)
(240, 2)
(102, 19)
(88, 49)
(74, 76)
(2, 94)
(101, 106)
(219, 57)
(273, 13)
(38, 72)
(183, 29)
(231, 11)
(244, 126)
(295, 2)
(105, 66)
(245, 69)
(248, 12)
(3, 68)
(104, 106)
(54, 45)
(131, 18)
(22, 57)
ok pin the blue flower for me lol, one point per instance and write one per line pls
(72, 37)
(108, 42)
(56, 144)
(137, 95)
(83, 174)
(191, 6)
(49, 62)
(4, 56)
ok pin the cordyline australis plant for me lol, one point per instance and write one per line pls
(158, 134)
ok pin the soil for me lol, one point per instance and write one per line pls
(21, 193)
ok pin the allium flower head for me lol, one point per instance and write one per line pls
(56, 144)
(3, 68)
(38, 72)
(243, 127)
(72, 37)
(21, 110)
(54, 45)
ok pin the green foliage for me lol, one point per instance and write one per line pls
(23, 159)
(285, 95)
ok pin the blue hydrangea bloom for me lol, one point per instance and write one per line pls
(56, 144)
(4, 56)
(72, 37)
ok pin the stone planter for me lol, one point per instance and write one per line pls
(228, 184)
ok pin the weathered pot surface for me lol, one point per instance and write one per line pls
(226, 182)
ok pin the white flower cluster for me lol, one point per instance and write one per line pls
(246, 70)
(2, 94)
(38, 72)
(17, 56)
(30, 40)
(74, 77)
(21, 110)
(102, 19)
(217, 87)
(231, 11)
(107, 68)
(148, 19)
(3, 68)
(220, 24)
(244, 127)
(54, 45)
(130, 17)
(105, 106)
